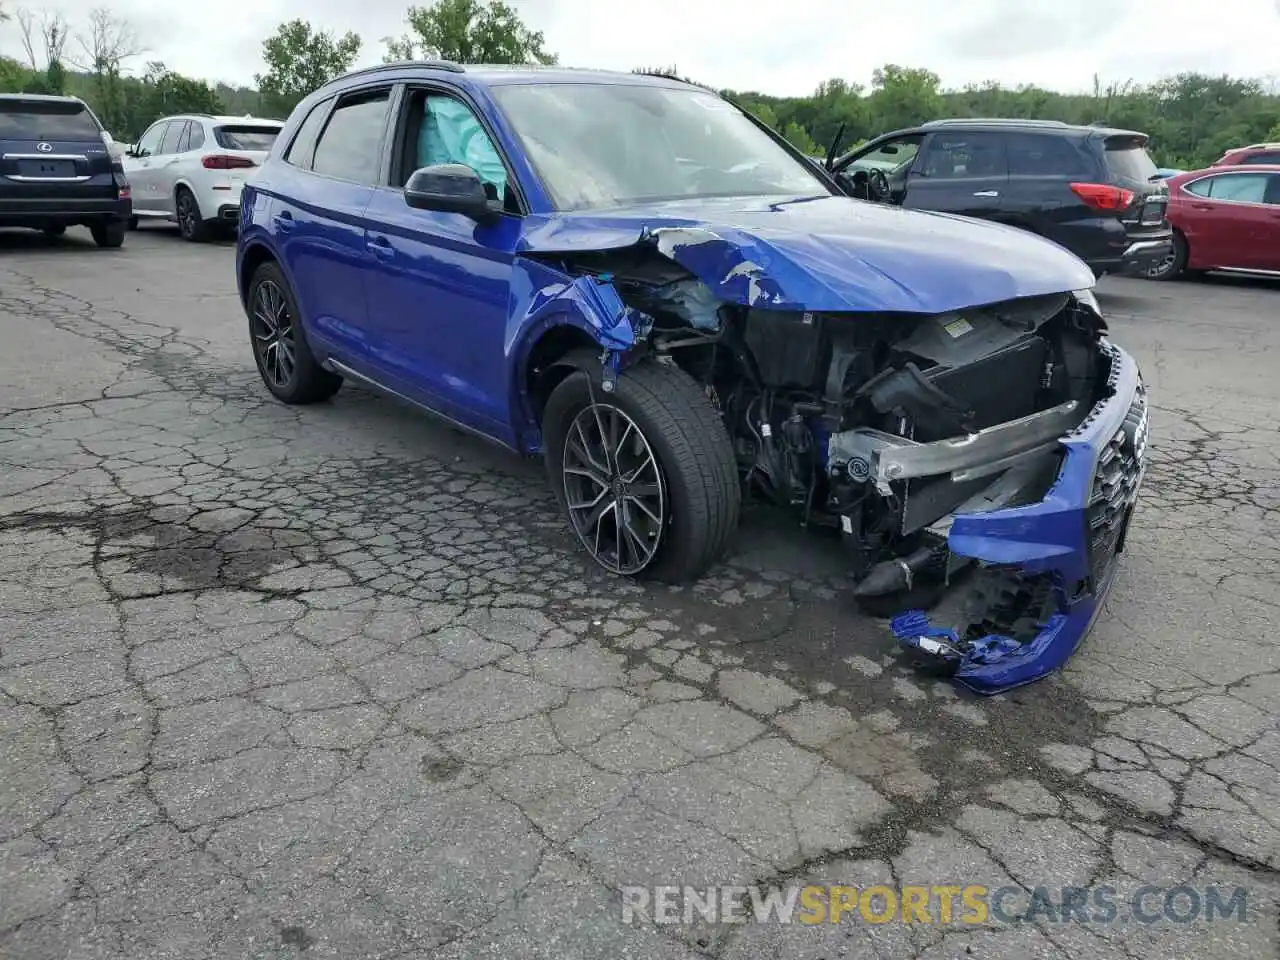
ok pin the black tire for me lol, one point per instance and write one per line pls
(56, 230)
(271, 305)
(108, 235)
(133, 223)
(684, 434)
(191, 222)
(1174, 265)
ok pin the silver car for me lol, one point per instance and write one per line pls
(190, 169)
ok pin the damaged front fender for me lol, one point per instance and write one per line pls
(542, 300)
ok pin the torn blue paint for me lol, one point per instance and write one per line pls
(827, 254)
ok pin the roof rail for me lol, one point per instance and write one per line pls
(994, 121)
(446, 65)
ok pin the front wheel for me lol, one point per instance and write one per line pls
(645, 473)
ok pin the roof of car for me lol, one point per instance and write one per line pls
(494, 74)
(42, 97)
(1017, 123)
(1231, 168)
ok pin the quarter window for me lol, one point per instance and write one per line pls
(303, 149)
(197, 136)
(1269, 156)
(349, 148)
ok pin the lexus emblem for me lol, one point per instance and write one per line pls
(44, 147)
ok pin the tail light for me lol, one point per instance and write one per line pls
(221, 161)
(1103, 196)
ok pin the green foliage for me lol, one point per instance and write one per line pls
(300, 59)
(468, 31)
(1192, 119)
(165, 92)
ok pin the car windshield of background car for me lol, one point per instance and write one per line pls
(604, 145)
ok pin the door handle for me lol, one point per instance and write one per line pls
(1202, 206)
(380, 246)
(283, 221)
(987, 193)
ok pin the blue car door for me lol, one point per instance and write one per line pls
(320, 195)
(440, 283)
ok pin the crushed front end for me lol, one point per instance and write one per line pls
(980, 464)
(1043, 566)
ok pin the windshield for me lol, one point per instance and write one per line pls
(46, 120)
(246, 137)
(603, 145)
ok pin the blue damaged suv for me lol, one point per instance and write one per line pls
(677, 310)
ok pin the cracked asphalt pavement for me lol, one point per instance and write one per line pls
(334, 682)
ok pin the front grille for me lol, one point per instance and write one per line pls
(1115, 486)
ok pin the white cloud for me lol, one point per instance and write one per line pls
(783, 48)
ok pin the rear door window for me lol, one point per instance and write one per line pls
(963, 155)
(246, 137)
(1037, 154)
(46, 120)
(351, 146)
(1266, 156)
(1128, 159)
(169, 142)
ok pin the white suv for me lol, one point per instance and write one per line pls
(190, 169)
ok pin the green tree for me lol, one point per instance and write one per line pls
(468, 31)
(903, 96)
(299, 60)
(801, 140)
(165, 92)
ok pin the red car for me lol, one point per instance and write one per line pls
(1224, 218)
(1254, 153)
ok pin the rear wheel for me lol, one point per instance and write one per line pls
(109, 234)
(1171, 267)
(645, 473)
(190, 221)
(280, 348)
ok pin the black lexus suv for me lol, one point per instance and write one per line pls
(1094, 190)
(56, 170)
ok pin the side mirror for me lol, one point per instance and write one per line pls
(450, 188)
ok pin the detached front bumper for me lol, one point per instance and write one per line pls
(1044, 568)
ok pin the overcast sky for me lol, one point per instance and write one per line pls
(782, 47)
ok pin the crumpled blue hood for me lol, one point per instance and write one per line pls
(827, 253)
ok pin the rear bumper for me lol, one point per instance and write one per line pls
(1134, 254)
(62, 211)
(1044, 568)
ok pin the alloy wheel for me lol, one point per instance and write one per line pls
(273, 337)
(614, 491)
(1164, 266)
(186, 215)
